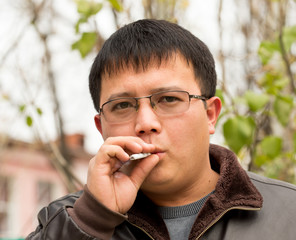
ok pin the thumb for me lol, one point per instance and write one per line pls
(142, 170)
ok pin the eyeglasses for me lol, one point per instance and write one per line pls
(164, 103)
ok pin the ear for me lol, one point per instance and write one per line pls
(98, 123)
(214, 106)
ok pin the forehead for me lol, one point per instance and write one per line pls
(174, 71)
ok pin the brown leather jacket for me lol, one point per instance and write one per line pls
(234, 211)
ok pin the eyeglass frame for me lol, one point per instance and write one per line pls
(190, 96)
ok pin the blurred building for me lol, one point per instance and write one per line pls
(29, 181)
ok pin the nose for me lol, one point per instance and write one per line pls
(147, 121)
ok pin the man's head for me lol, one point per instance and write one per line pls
(128, 79)
(144, 42)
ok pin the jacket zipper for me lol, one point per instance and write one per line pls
(210, 225)
(222, 214)
(142, 230)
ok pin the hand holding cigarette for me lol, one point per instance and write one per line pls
(114, 178)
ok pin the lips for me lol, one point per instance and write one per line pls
(157, 151)
(160, 153)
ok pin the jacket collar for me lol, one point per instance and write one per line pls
(234, 189)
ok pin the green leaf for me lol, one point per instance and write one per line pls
(219, 93)
(86, 43)
(268, 149)
(289, 37)
(80, 21)
(271, 146)
(268, 48)
(274, 82)
(261, 160)
(294, 142)
(39, 111)
(22, 108)
(256, 101)
(88, 8)
(116, 5)
(29, 121)
(266, 51)
(283, 106)
(238, 132)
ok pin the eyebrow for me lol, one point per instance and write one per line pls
(162, 89)
(119, 95)
(152, 91)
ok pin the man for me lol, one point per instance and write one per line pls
(153, 85)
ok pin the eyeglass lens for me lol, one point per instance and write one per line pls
(163, 103)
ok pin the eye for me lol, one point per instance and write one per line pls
(168, 99)
(121, 105)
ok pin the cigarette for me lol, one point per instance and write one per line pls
(139, 156)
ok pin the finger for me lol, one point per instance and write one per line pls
(107, 161)
(108, 152)
(131, 144)
(112, 154)
(142, 170)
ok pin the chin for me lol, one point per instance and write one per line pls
(156, 181)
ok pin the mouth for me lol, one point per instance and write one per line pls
(157, 150)
(160, 153)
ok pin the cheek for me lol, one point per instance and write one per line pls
(113, 130)
(191, 128)
(193, 141)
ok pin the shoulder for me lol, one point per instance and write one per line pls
(59, 204)
(278, 209)
(67, 200)
(274, 192)
(264, 182)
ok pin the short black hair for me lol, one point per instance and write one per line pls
(140, 43)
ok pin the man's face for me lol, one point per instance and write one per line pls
(181, 140)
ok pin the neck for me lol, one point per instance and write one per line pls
(187, 193)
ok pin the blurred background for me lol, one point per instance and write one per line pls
(47, 132)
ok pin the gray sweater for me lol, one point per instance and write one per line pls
(179, 220)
